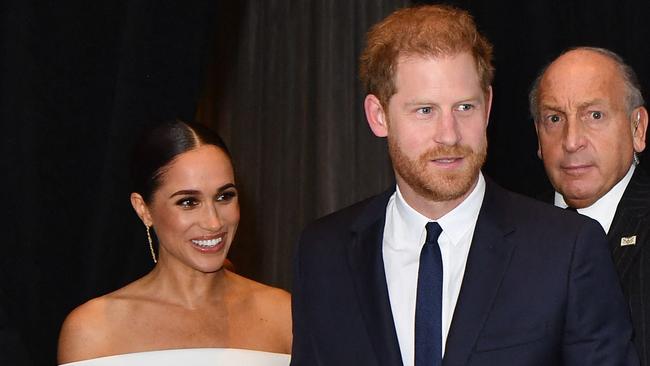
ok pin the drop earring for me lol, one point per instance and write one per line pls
(153, 254)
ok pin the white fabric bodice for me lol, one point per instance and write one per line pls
(192, 356)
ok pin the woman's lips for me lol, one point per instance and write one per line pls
(209, 244)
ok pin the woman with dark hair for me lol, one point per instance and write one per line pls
(189, 309)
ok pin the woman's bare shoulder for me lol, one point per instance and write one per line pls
(270, 306)
(262, 294)
(86, 331)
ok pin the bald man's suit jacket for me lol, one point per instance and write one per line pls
(632, 220)
(539, 289)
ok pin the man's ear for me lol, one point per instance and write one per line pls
(639, 128)
(539, 143)
(375, 116)
(140, 207)
(488, 105)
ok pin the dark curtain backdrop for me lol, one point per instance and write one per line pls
(288, 102)
(278, 79)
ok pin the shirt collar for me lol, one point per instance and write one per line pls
(604, 209)
(454, 224)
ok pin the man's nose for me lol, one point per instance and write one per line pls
(446, 130)
(574, 136)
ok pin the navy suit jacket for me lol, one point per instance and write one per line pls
(632, 262)
(539, 289)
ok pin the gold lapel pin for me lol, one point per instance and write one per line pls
(628, 240)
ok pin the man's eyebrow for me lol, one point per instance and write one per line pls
(551, 106)
(591, 102)
(418, 102)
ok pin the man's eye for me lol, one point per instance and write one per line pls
(553, 118)
(425, 110)
(465, 107)
(596, 115)
(226, 196)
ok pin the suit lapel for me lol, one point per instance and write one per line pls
(367, 268)
(487, 262)
(628, 222)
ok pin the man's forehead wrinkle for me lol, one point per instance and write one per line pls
(559, 90)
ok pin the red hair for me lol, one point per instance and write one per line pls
(432, 30)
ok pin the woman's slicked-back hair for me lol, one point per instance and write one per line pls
(159, 146)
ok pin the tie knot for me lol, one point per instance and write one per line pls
(569, 208)
(433, 232)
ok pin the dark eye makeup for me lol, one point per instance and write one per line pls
(187, 202)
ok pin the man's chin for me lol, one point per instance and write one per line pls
(578, 195)
(447, 189)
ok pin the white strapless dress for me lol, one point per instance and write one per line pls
(191, 357)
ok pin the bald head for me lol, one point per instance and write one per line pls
(590, 121)
(597, 57)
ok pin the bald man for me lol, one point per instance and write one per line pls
(591, 122)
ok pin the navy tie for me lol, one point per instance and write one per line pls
(428, 305)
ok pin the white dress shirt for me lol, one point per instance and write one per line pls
(604, 209)
(404, 235)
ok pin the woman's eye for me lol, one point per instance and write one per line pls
(188, 202)
(226, 196)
